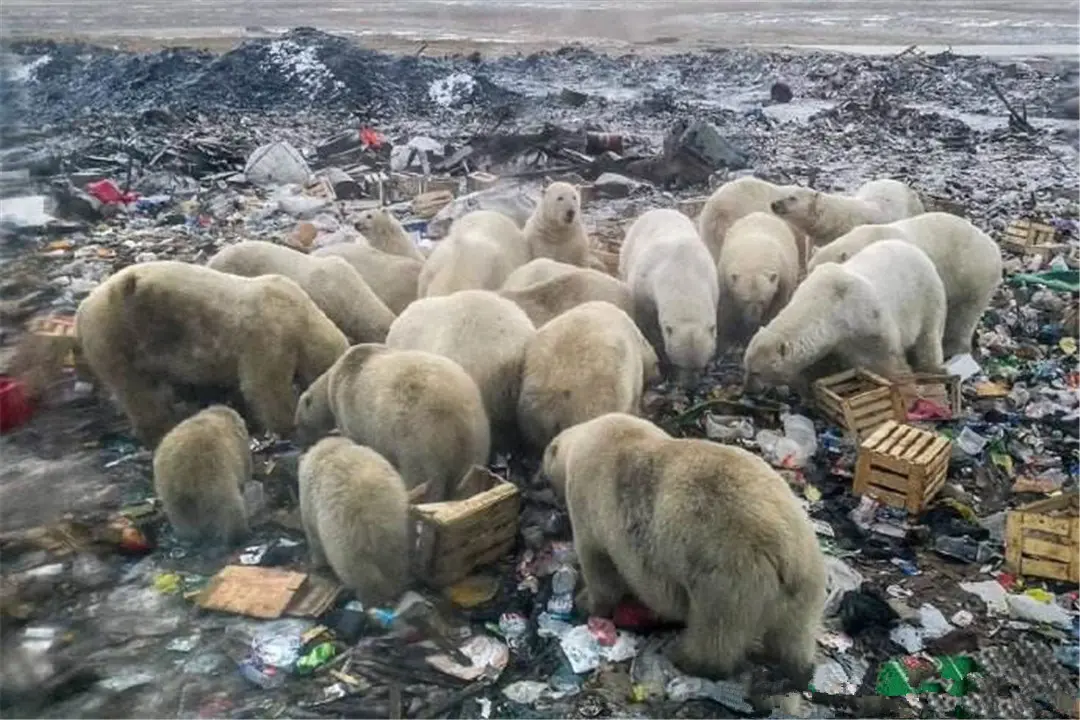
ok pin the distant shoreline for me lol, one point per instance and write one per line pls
(414, 44)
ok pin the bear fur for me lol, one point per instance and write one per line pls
(383, 231)
(882, 310)
(537, 271)
(555, 230)
(354, 508)
(331, 282)
(393, 278)
(589, 361)
(967, 260)
(480, 251)
(672, 279)
(550, 298)
(483, 333)
(757, 272)
(200, 468)
(736, 199)
(420, 411)
(155, 328)
(699, 532)
(826, 216)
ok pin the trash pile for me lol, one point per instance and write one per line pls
(966, 605)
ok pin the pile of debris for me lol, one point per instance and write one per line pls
(931, 609)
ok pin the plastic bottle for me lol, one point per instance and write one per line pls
(970, 441)
(800, 429)
(561, 603)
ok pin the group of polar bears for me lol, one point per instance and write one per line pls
(507, 334)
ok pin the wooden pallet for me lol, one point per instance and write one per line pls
(858, 401)
(1029, 237)
(1041, 538)
(450, 539)
(902, 466)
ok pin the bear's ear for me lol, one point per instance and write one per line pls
(782, 349)
(771, 276)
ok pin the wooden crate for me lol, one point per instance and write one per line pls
(427, 205)
(1041, 538)
(450, 539)
(902, 466)
(480, 180)
(941, 389)
(1031, 238)
(858, 401)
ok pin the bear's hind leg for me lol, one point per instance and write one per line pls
(715, 642)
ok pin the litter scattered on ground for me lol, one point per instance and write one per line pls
(111, 158)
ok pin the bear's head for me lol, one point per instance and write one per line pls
(754, 293)
(552, 470)
(373, 221)
(561, 204)
(314, 417)
(798, 203)
(767, 360)
(689, 341)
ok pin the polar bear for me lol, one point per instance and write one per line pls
(736, 199)
(418, 410)
(392, 277)
(826, 216)
(158, 327)
(332, 283)
(200, 468)
(589, 361)
(481, 250)
(537, 271)
(881, 310)
(673, 281)
(555, 229)
(383, 231)
(550, 298)
(758, 271)
(967, 260)
(354, 508)
(701, 533)
(483, 333)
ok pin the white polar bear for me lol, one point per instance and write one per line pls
(883, 310)
(554, 230)
(826, 216)
(672, 278)
(758, 271)
(967, 260)
(737, 199)
(481, 250)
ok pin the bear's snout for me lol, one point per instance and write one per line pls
(777, 206)
(570, 215)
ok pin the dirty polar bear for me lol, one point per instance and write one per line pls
(758, 271)
(331, 282)
(701, 533)
(157, 327)
(481, 250)
(483, 333)
(880, 309)
(546, 288)
(420, 411)
(200, 468)
(967, 260)
(354, 508)
(734, 200)
(589, 361)
(383, 231)
(673, 281)
(826, 216)
(392, 277)
(554, 230)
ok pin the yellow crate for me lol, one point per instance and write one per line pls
(858, 401)
(1041, 538)
(902, 466)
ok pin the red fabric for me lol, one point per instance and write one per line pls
(107, 192)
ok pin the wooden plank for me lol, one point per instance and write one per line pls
(877, 436)
(1057, 526)
(1045, 550)
(1045, 569)
(893, 481)
(1058, 502)
(886, 496)
(922, 441)
(1014, 540)
(886, 445)
(934, 451)
(251, 590)
(874, 408)
(870, 396)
